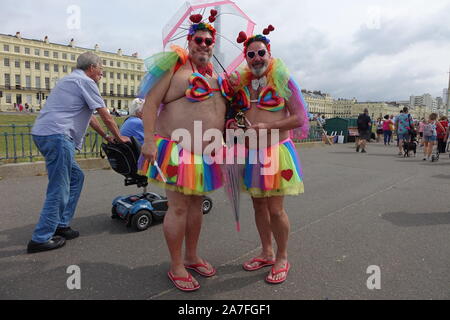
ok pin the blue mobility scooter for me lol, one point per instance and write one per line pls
(139, 211)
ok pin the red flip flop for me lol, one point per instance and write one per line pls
(196, 267)
(274, 272)
(188, 279)
(262, 263)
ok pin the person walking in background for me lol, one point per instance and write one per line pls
(421, 125)
(387, 130)
(430, 135)
(380, 130)
(404, 126)
(364, 123)
(442, 134)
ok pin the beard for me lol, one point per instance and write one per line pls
(259, 72)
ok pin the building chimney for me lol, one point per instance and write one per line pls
(18, 35)
(71, 43)
(135, 55)
(97, 48)
(46, 40)
(119, 52)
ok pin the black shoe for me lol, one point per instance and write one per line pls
(67, 233)
(363, 151)
(54, 243)
(357, 149)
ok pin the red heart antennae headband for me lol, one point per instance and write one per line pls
(200, 25)
(243, 38)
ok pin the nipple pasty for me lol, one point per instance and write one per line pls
(199, 89)
(270, 101)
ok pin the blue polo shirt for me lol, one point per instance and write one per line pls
(69, 108)
(133, 127)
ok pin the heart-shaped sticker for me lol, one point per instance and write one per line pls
(172, 171)
(212, 19)
(214, 12)
(287, 174)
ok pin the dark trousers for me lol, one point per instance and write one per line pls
(442, 145)
(387, 136)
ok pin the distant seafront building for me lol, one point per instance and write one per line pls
(29, 69)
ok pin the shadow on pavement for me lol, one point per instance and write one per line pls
(87, 226)
(403, 219)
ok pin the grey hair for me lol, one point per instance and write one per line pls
(88, 59)
(136, 106)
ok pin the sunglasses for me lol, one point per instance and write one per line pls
(208, 41)
(252, 54)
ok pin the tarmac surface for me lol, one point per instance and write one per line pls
(358, 211)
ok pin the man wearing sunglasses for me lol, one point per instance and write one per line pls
(273, 105)
(183, 107)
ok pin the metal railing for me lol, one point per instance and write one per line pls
(16, 144)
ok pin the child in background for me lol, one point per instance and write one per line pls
(430, 135)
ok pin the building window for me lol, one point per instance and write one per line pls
(104, 88)
(27, 50)
(111, 63)
(139, 78)
(55, 55)
(7, 80)
(17, 80)
(17, 64)
(47, 67)
(125, 90)
(8, 98)
(118, 89)
(132, 91)
(104, 62)
(37, 52)
(111, 75)
(72, 57)
(6, 62)
(125, 76)
(65, 68)
(111, 89)
(28, 82)
(17, 49)
(56, 68)
(125, 65)
(38, 82)
(132, 77)
(118, 76)
(112, 103)
(46, 53)
(5, 47)
(47, 83)
(37, 65)
(132, 66)
(27, 64)
(64, 56)
(139, 67)
(118, 64)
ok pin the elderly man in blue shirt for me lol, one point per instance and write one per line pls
(58, 132)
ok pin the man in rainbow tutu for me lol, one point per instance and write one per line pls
(271, 104)
(172, 153)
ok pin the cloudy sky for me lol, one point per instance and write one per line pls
(373, 50)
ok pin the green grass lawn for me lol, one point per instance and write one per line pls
(19, 139)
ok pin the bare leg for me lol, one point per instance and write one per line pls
(175, 223)
(193, 229)
(262, 219)
(280, 226)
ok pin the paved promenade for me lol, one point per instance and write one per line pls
(359, 210)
